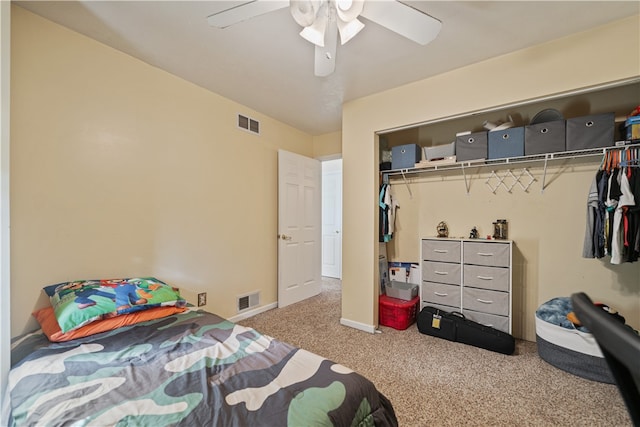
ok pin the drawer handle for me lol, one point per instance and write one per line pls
(441, 251)
(441, 294)
(484, 277)
(484, 301)
(485, 254)
(442, 273)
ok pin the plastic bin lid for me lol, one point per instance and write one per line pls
(547, 115)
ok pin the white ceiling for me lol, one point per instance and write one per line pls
(264, 64)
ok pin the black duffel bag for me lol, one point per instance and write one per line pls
(453, 326)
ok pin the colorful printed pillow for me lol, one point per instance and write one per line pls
(81, 302)
(49, 324)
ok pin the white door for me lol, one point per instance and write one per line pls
(332, 218)
(299, 228)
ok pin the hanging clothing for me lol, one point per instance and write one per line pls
(613, 209)
(613, 195)
(633, 218)
(601, 215)
(382, 217)
(590, 235)
(625, 200)
(387, 213)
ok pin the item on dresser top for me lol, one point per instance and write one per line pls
(473, 234)
(500, 229)
(454, 326)
(442, 229)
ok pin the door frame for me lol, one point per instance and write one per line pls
(324, 161)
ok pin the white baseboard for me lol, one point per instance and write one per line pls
(251, 313)
(357, 325)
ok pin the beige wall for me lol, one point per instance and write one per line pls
(547, 228)
(327, 146)
(120, 169)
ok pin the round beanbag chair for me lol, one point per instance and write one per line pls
(567, 347)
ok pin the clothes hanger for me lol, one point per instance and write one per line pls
(630, 159)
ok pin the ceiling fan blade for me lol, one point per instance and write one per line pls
(402, 19)
(325, 56)
(245, 11)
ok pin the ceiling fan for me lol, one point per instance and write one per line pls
(324, 20)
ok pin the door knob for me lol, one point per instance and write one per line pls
(284, 237)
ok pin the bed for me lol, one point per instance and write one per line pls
(190, 368)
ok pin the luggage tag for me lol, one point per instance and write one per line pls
(435, 322)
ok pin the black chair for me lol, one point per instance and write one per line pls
(620, 346)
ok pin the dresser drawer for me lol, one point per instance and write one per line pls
(490, 254)
(441, 272)
(441, 250)
(439, 293)
(492, 302)
(499, 322)
(477, 276)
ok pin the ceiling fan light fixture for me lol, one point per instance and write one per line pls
(315, 32)
(304, 12)
(348, 10)
(348, 30)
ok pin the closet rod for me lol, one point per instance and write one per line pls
(591, 152)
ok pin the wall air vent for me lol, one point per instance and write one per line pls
(248, 124)
(248, 301)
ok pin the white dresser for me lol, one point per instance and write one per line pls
(472, 276)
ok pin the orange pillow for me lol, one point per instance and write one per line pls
(47, 319)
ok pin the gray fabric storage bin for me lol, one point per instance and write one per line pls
(506, 143)
(594, 131)
(471, 147)
(405, 156)
(542, 138)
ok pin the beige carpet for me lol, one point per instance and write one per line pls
(434, 382)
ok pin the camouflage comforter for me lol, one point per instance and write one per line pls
(191, 369)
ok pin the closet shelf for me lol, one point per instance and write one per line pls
(561, 155)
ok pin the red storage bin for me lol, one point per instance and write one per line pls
(397, 313)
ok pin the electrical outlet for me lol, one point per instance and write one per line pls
(202, 299)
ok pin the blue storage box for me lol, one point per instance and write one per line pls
(633, 128)
(506, 143)
(405, 156)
